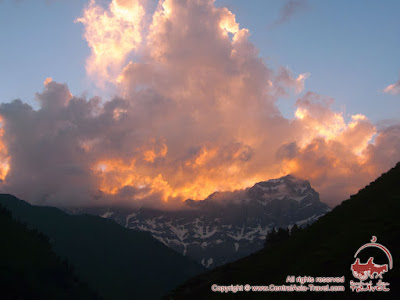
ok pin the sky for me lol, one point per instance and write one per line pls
(349, 48)
(304, 87)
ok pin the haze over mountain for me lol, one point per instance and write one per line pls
(326, 248)
(115, 262)
(226, 225)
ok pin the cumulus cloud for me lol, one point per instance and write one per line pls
(196, 112)
(111, 34)
(338, 157)
(285, 79)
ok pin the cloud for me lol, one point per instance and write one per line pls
(285, 79)
(111, 34)
(338, 157)
(289, 9)
(195, 112)
(47, 1)
(393, 89)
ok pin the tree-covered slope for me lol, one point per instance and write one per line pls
(29, 269)
(116, 262)
(326, 248)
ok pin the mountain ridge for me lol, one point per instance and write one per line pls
(226, 225)
(116, 262)
(29, 268)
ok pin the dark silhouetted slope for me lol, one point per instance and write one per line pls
(326, 248)
(116, 262)
(29, 269)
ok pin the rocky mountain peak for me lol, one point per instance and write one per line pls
(227, 225)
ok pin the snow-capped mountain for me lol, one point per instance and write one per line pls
(227, 225)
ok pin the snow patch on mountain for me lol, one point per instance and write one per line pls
(227, 226)
(107, 214)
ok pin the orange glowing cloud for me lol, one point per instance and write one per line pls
(319, 121)
(4, 158)
(111, 35)
(330, 151)
(315, 114)
(47, 81)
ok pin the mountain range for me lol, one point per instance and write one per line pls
(327, 248)
(115, 262)
(49, 254)
(226, 225)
